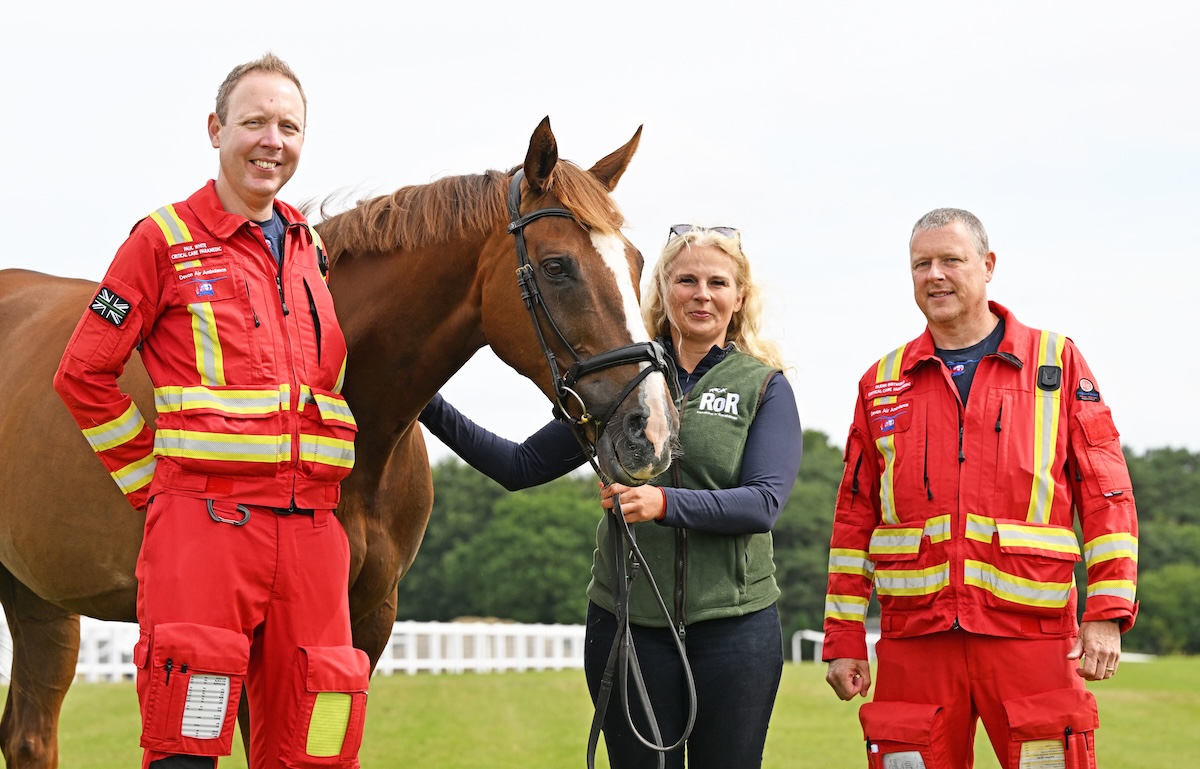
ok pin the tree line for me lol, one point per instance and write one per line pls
(526, 555)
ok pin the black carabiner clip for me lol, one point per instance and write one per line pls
(245, 511)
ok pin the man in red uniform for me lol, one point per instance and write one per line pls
(243, 570)
(972, 449)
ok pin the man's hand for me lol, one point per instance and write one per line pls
(849, 677)
(1098, 649)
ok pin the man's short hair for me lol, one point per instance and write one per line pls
(269, 63)
(940, 217)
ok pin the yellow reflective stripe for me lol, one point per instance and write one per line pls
(980, 528)
(938, 528)
(1037, 538)
(234, 402)
(888, 370)
(847, 607)
(181, 266)
(328, 724)
(326, 451)
(1045, 430)
(1110, 546)
(845, 561)
(116, 431)
(316, 236)
(912, 581)
(896, 540)
(1016, 589)
(223, 446)
(335, 410)
(210, 362)
(173, 228)
(1118, 588)
(331, 409)
(135, 475)
(341, 378)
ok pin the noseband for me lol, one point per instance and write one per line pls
(564, 383)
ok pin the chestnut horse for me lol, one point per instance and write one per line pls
(421, 279)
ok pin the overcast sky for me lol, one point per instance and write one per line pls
(821, 130)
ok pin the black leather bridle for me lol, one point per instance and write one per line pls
(564, 383)
(622, 656)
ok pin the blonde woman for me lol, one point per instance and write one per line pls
(703, 527)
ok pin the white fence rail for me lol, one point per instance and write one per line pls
(818, 640)
(106, 648)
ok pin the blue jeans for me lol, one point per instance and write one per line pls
(736, 663)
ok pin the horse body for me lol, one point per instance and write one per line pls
(421, 280)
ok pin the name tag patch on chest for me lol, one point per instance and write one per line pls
(185, 251)
(889, 388)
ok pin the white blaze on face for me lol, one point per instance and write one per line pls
(653, 391)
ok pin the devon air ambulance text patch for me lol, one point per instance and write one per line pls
(109, 306)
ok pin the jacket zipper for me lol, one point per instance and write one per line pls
(253, 312)
(925, 468)
(312, 307)
(680, 550)
(279, 286)
(291, 358)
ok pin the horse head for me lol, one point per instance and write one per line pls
(575, 328)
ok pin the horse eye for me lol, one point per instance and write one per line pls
(554, 268)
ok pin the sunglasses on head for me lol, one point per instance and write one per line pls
(679, 230)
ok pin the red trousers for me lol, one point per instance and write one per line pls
(931, 691)
(259, 605)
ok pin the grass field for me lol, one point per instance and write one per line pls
(1149, 714)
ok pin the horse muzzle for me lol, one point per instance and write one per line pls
(640, 438)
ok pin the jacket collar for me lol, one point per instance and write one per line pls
(208, 209)
(1015, 347)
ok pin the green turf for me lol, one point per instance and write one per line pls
(1148, 714)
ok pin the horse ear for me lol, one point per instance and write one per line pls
(609, 169)
(541, 158)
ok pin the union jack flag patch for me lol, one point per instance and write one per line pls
(111, 307)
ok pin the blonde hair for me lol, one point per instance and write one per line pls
(746, 324)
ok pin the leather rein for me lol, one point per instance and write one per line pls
(622, 656)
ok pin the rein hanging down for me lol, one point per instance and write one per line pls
(622, 656)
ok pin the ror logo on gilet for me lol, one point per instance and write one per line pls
(718, 401)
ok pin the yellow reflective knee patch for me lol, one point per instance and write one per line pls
(327, 728)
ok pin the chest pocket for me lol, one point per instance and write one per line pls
(205, 280)
(210, 288)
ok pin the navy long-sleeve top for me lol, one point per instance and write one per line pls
(769, 464)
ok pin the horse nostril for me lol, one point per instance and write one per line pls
(635, 424)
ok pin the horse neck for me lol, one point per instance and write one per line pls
(411, 319)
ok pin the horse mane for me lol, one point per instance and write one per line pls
(457, 207)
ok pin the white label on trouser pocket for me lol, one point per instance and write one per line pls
(1042, 754)
(204, 710)
(909, 759)
(906, 760)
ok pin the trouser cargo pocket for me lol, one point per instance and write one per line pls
(331, 698)
(1053, 729)
(190, 681)
(904, 735)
